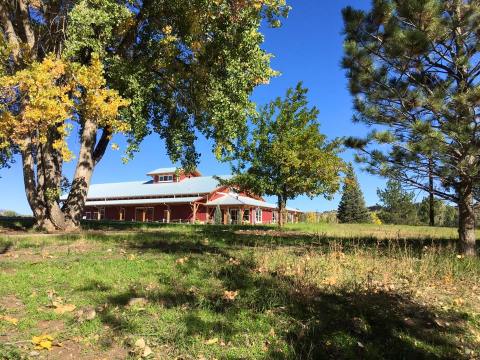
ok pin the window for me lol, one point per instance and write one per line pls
(102, 214)
(274, 216)
(163, 178)
(246, 215)
(88, 215)
(258, 216)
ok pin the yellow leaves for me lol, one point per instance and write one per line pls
(43, 342)
(9, 319)
(63, 308)
(230, 295)
(181, 260)
(211, 341)
(46, 96)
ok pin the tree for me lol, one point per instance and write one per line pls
(286, 155)
(352, 207)
(397, 205)
(414, 70)
(96, 68)
(217, 216)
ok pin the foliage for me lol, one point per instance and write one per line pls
(374, 219)
(286, 155)
(52, 94)
(66, 68)
(217, 216)
(413, 69)
(445, 214)
(352, 207)
(397, 205)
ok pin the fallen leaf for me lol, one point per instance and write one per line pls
(147, 352)
(9, 319)
(63, 308)
(211, 341)
(42, 342)
(230, 295)
(140, 343)
(182, 260)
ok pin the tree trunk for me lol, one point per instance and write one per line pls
(77, 196)
(43, 185)
(466, 228)
(431, 209)
(282, 204)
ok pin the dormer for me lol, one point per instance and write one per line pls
(168, 175)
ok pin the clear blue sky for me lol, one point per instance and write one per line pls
(307, 47)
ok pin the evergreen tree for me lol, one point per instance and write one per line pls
(352, 207)
(413, 69)
(217, 216)
(397, 205)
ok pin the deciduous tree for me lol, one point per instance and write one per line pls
(414, 70)
(286, 155)
(100, 67)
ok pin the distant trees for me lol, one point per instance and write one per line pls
(217, 216)
(286, 155)
(352, 207)
(413, 69)
(397, 205)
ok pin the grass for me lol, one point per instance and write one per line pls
(309, 292)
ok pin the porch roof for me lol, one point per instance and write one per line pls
(238, 200)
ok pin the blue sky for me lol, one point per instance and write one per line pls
(308, 47)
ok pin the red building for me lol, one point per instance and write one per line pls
(175, 196)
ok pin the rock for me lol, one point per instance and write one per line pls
(147, 352)
(138, 301)
(33, 353)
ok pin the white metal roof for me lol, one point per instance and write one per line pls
(189, 186)
(233, 199)
(162, 171)
(179, 200)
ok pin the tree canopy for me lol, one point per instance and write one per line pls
(98, 67)
(414, 70)
(286, 155)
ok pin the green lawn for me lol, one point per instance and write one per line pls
(205, 292)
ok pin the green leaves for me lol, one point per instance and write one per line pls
(286, 155)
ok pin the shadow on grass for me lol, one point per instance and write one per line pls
(315, 323)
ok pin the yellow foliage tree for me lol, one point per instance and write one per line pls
(49, 95)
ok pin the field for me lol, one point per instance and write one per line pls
(206, 292)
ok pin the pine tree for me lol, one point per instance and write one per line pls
(413, 70)
(352, 207)
(397, 205)
(217, 216)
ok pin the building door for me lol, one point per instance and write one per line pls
(149, 214)
(121, 214)
(140, 214)
(234, 216)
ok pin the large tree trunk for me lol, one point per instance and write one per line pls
(466, 228)
(282, 204)
(43, 185)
